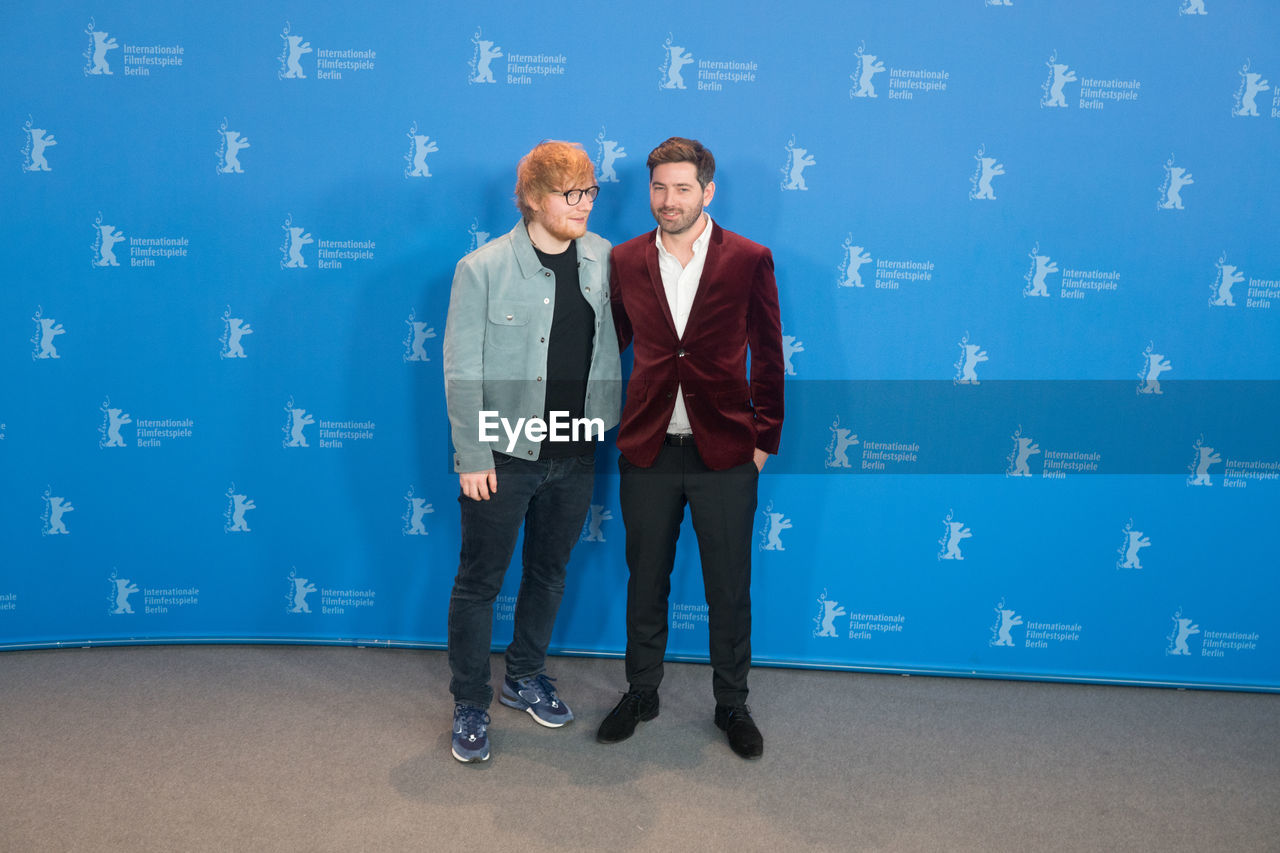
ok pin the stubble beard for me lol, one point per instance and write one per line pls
(679, 225)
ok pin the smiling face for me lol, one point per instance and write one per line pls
(676, 198)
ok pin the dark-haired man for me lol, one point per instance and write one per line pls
(693, 298)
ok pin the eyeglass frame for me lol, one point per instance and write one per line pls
(590, 192)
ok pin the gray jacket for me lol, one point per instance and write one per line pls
(495, 342)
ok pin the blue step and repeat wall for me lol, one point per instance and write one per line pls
(1030, 287)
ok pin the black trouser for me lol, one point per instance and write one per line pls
(723, 504)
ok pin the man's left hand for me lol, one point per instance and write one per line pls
(760, 458)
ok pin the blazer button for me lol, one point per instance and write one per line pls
(547, 274)
(680, 353)
(539, 378)
(510, 317)
(542, 340)
(669, 395)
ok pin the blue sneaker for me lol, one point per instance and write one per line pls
(470, 738)
(538, 697)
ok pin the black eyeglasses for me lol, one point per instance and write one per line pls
(575, 196)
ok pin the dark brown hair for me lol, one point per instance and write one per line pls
(677, 149)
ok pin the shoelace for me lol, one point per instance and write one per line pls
(545, 690)
(472, 721)
(630, 704)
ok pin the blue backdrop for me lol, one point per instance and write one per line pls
(1025, 255)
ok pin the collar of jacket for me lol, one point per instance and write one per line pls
(527, 258)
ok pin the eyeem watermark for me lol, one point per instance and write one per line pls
(560, 428)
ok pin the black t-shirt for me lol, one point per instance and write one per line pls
(573, 331)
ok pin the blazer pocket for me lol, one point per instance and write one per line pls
(508, 325)
(734, 399)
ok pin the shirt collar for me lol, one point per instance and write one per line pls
(699, 245)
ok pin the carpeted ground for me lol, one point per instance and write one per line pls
(281, 748)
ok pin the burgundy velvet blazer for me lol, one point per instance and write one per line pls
(735, 309)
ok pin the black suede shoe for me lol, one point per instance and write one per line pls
(744, 738)
(636, 706)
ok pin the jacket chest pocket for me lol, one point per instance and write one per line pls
(508, 325)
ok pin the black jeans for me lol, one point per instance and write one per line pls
(551, 499)
(723, 504)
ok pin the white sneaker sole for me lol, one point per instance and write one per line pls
(521, 705)
(484, 757)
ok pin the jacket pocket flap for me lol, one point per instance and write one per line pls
(508, 314)
(741, 394)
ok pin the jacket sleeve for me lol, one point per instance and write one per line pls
(764, 336)
(464, 366)
(621, 322)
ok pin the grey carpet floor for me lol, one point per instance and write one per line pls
(271, 748)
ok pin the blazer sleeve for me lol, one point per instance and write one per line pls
(764, 336)
(621, 322)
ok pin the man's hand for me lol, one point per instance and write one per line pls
(760, 458)
(478, 485)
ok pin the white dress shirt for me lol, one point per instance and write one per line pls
(681, 285)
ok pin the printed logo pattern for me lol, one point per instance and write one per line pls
(295, 47)
(482, 59)
(1059, 76)
(1134, 541)
(100, 43)
(980, 188)
(1024, 448)
(798, 159)
(417, 510)
(1205, 458)
(237, 506)
(230, 144)
(825, 622)
(771, 533)
(592, 530)
(674, 59)
(838, 448)
(47, 329)
(869, 66)
(55, 508)
(298, 420)
(105, 238)
(39, 141)
(953, 533)
(233, 331)
(1183, 630)
(1175, 178)
(1246, 99)
(420, 145)
(1153, 364)
(608, 153)
(1002, 631)
(299, 589)
(419, 334)
(971, 355)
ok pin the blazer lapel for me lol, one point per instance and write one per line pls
(705, 283)
(655, 279)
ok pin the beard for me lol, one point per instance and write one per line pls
(685, 219)
(566, 230)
